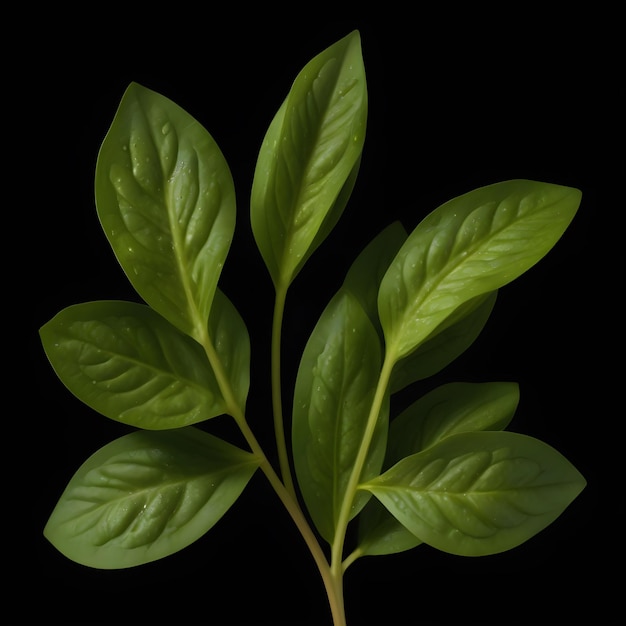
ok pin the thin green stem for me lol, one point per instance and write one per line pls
(277, 402)
(357, 553)
(333, 590)
(355, 475)
(332, 584)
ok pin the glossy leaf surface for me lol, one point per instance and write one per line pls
(449, 340)
(147, 495)
(333, 394)
(309, 158)
(166, 201)
(125, 361)
(479, 493)
(381, 533)
(231, 342)
(369, 267)
(471, 245)
(447, 410)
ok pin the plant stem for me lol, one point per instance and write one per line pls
(277, 403)
(333, 586)
(332, 582)
(351, 558)
(355, 475)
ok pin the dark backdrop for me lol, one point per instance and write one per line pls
(457, 101)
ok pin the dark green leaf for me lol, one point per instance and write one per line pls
(367, 270)
(128, 363)
(231, 341)
(333, 395)
(380, 533)
(166, 201)
(147, 495)
(450, 409)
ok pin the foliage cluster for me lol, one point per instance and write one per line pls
(444, 472)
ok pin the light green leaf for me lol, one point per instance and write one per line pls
(469, 246)
(147, 495)
(447, 410)
(448, 341)
(166, 201)
(479, 493)
(333, 394)
(125, 361)
(309, 158)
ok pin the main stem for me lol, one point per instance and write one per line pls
(333, 587)
(332, 583)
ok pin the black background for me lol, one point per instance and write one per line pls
(457, 100)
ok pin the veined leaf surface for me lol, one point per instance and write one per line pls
(166, 201)
(231, 341)
(479, 493)
(147, 495)
(125, 361)
(447, 342)
(471, 245)
(381, 533)
(334, 390)
(309, 158)
(447, 410)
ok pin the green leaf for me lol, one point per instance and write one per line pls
(380, 533)
(469, 246)
(479, 493)
(367, 270)
(447, 410)
(147, 495)
(333, 395)
(128, 363)
(448, 341)
(166, 201)
(309, 158)
(451, 338)
(231, 342)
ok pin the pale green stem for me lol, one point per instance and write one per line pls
(334, 591)
(355, 476)
(333, 587)
(277, 402)
(351, 558)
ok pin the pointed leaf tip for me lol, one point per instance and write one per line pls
(147, 495)
(166, 201)
(309, 159)
(471, 245)
(479, 493)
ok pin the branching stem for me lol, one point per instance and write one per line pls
(333, 582)
(277, 402)
(337, 565)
